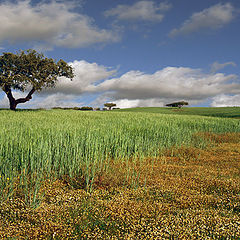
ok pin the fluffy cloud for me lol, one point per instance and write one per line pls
(49, 24)
(217, 66)
(87, 75)
(126, 103)
(55, 100)
(169, 83)
(211, 18)
(142, 10)
(224, 100)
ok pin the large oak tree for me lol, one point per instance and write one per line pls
(29, 71)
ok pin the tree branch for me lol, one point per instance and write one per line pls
(27, 98)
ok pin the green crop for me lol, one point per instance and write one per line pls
(36, 145)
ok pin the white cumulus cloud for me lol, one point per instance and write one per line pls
(87, 75)
(55, 100)
(49, 24)
(224, 100)
(169, 83)
(142, 10)
(211, 18)
(126, 103)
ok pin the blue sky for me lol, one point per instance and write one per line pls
(133, 53)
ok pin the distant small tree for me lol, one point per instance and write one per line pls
(29, 71)
(177, 104)
(86, 109)
(110, 105)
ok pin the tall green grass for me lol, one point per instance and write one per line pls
(52, 144)
(223, 112)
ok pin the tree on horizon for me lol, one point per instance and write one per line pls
(110, 105)
(177, 104)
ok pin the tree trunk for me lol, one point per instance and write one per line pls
(13, 102)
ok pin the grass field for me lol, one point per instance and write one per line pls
(226, 112)
(144, 173)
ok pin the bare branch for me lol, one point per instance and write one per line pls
(27, 98)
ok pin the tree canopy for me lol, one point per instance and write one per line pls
(29, 71)
(110, 105)
(177, 104)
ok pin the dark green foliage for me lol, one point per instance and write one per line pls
(66, 108)
(86, 108)
(110, 105)
(177, 104)
(29, 71)
(57, 108)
